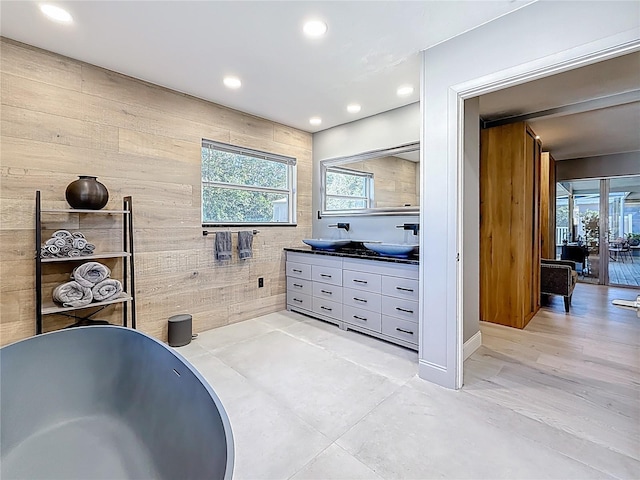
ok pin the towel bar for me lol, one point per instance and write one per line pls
(206, 232)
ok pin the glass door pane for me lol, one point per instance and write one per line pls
(563, 219)
(586, 220)
(623, 231)
(577, 226)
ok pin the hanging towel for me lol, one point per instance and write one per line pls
(222, 246)
(90, 273)
(106, 289)
(245, 242)
(72, 294)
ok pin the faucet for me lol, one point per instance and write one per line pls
(410, 226)
(340, 225)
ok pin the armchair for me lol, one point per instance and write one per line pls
(558, 277)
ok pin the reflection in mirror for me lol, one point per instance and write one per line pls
(378, 182)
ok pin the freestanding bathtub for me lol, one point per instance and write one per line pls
(106, 402)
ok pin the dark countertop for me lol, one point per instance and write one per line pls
(356, 253)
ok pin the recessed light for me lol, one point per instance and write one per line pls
(56, 14)
(537, 137)
(314, 28)
(353, 108)
(405, 90)
(315, 120)
(232, 82)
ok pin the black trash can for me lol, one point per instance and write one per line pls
(180, 330)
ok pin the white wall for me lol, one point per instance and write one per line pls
(541, 37)
(386, 130)
(471, 245)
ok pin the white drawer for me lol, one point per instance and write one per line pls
(362, 280)
(400, 308)
(299, 285)
(362, 318)
(361, 299)
(400, 287)
(327, 307)
(401, 329)
(321, 273)
(299, 270)
(299, 300)
(327, 291)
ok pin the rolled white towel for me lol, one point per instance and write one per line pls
(61, 234)
(90, 273)
(72, 294)
(106, 289)
(78, 235)
(79, 243)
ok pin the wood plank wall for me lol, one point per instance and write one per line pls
(62, 118)
(396, 180)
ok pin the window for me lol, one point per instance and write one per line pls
(347, 189)
(244, 186)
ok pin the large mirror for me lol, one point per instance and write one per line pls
(372, 183)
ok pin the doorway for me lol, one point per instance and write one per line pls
(600, 220)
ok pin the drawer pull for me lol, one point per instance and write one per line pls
(360, 318)
(359, 299)
(326, 291)
(404, 331)
(326, 308)
(297, 271)
(297, 285)
(297, 300)
(405, 289)
(325, 275)
(360, 281)
(404, 310)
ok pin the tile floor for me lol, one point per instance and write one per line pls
(309, 401)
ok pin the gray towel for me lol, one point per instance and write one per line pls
(222, 246)
(65, 244)
(245, 242)
(106, 290)
(90, 273)
(72, 294)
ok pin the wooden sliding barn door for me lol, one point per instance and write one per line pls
(509, 225)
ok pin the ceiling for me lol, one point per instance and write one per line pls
(585, 112)
(370, 49)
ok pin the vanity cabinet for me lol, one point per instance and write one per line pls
(370, 296)
(314, 286)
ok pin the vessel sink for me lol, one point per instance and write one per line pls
(326, 243)
(398, 250)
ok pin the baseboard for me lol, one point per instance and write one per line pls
(472, 344)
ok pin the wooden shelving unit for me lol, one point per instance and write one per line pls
(127, 297)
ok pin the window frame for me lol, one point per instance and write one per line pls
(368, 186)
(291, 191)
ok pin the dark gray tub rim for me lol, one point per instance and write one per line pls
(228, 474)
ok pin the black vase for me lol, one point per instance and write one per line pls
(87, 193)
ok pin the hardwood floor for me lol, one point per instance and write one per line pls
(577, 374)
